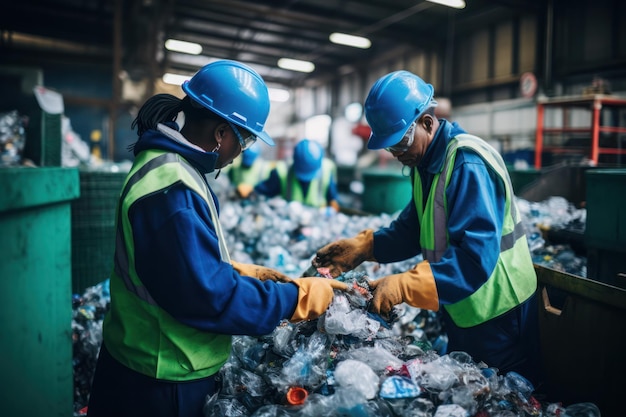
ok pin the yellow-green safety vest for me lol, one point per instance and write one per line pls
(137, 332)
(252, 175)
(513, 279)
(291, 190)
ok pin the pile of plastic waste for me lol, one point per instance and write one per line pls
(347, 363)
(352, 363)
(88, 312)
(557, 213)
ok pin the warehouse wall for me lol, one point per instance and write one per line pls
(566, 46)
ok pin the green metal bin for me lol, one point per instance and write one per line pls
(35, 296)
(385, 190)
(583, 340)
(93, 227)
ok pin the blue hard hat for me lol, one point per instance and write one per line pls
(307, 159)
(250, 155)
(394, 102)
(235, 92)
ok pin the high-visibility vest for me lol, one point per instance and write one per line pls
(137, 332)
(252, 175)
(513, 279)
(291, 190)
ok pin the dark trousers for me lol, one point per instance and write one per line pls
(509, 342)
(119, 391)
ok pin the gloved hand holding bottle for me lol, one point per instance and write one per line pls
(346, 254)
(415, 287)
(314, 297)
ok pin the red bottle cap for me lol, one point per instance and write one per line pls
(296, 395)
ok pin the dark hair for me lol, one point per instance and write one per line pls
(157, 109)
(162, 108)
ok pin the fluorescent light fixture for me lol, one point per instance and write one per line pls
(184, 47)
(350, 40)
(278, 95)
(175, 79)
(296, 65)
(457, 4)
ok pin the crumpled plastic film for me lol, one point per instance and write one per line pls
(407, 351)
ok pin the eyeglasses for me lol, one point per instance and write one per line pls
(405, 143)
(246, 142)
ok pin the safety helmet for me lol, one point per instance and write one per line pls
(250, 155)
(307, 159)
(235, 92)
(394, 102)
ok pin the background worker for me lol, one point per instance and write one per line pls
(462, 217)
(176, 296)
(249, 170)
(310, 179)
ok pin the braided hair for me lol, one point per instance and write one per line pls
(163, 108)
(157, 109)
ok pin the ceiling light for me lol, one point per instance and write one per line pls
(175, 79)
(457, 4)
(184, 47)
(296, 65)
(278, 94)
(350, 40)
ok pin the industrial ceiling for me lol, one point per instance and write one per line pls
(130, 34)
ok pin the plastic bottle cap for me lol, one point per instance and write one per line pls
(296, 395)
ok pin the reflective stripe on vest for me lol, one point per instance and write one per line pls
(137, 332)
(121, 254)
(291, 190)
(501, 292)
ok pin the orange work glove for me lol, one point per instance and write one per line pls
(314, 297)
(244, 190)
(260, 272)
(346, 254)
(415, 287)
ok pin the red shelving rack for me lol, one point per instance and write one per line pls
(599, 106)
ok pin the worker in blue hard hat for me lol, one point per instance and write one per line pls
(246, 172)
(309, 179)
(462, 217)
(176, 296)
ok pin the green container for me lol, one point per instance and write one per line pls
(385, 190)
(520, 178)
(606, 209)
(583, 340)
(35, 296)
(93, 228)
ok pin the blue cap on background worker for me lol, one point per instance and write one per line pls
(310, 179)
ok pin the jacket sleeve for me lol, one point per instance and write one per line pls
(400, 240)
(476, 202)
(177, 259)
(270, 187)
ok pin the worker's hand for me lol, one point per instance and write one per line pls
(244, 190)
(260, 272)
(346, 254)
(415, 287)
(314, 297)
(335, 205)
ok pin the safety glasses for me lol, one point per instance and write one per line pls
(244, 142)
(405, 143)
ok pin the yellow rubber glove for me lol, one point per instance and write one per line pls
(346, 254)
(260, 272)
(415, 287)
(314, 297)
(244, 190)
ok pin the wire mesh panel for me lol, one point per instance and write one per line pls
(93, 228)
